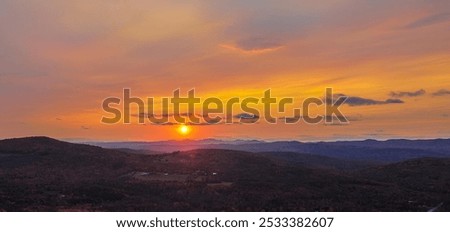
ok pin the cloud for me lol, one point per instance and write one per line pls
(179, 124)
(417, 93)
(377, 134)
(257, 44)
(359, 101)
(336, 124)
(253, 46)
(145, 115)
(326, 117)
(195, 124)
(393, 101)
(246, 116)
(429, 20)
(441, 92)
(243, 118)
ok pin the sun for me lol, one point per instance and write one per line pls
(184, 130)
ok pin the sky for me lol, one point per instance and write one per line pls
(60, 59)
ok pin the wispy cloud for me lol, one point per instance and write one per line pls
(253, 46)
(417, 93)
(360, 101)
(429, 20)
(222, 122)
(441, 92)
(145, 115)
(327, 118)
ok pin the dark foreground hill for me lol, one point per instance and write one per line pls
(43, 174)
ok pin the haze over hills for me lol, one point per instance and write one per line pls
(367, 150)
(44, 174)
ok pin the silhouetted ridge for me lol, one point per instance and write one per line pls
(29, 145)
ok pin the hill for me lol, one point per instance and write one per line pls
(43, 174)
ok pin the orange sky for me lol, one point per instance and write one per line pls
(60, 59)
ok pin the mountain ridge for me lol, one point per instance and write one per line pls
(379, 151)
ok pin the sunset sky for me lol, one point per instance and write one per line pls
(60, 59)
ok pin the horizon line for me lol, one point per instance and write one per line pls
(84, 140)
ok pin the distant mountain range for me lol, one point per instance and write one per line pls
(367, 150)
(44, 174)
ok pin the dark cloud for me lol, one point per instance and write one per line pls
(85, 127)
(429, 20)
(359, 101)
(246, 116)
(399, 94)
(393, 101)
(441, 92)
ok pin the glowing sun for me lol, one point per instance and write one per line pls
(184, 130)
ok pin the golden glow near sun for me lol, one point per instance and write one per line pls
(184, 130)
